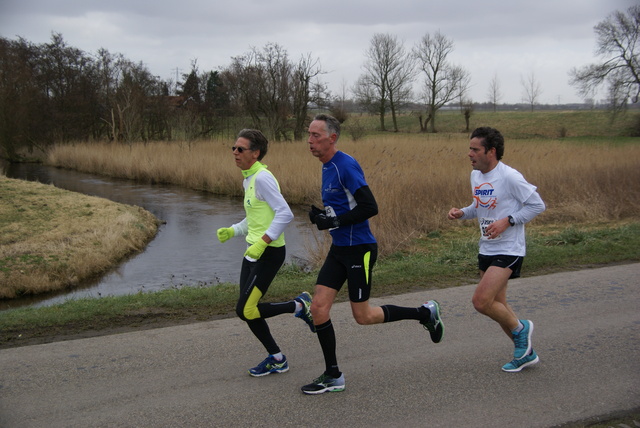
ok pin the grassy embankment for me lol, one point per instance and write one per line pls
(590, 182)
(51, 239)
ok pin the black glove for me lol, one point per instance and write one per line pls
(314, 212)
(324, 222)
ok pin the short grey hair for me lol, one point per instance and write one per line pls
(332, 124)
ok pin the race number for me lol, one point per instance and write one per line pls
(484, 223)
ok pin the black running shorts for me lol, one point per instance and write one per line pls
(511, 262)
(352, 264)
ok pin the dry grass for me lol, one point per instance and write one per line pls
(415, 178)
(52, 239)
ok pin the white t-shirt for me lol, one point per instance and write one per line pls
(497, 194)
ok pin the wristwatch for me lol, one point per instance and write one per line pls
(512, 222)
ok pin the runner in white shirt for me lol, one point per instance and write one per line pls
(503, 201)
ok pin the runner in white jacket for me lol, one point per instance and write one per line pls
(267, 216)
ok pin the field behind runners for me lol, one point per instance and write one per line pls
(415, 177)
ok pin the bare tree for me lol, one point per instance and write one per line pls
(443, 81)
(400, 79)
(494, 93)
(618, 46)
(273, 91)
(389, 71)
(69, 76)
(107, 65)
(365, 94)
(305, 91)
(130, 103)
(259, 81)
(466, 107)
(337, 108)
(531, 90)
(466, 103)
(344, 91)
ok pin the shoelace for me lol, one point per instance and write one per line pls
(267, 362)
(520, 340)
(322, 380)
(517, 362)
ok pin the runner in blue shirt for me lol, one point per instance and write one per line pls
(348, 204)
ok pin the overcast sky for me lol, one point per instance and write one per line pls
(507, 38)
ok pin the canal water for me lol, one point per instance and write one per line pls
(185, 252)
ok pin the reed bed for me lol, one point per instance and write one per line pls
(415, 178)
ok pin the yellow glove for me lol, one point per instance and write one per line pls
(254, 252)
(225, 233)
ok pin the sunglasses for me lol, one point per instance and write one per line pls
(238, 148)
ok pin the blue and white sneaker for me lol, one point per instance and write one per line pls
(325, 383)
(433, 323)
(522, 340)
(270, 365)
(518, 364)
(305, 313)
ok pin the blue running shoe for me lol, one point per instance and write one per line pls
(270, 365)
(305, 313)
(522, 340)
(518, 364)
(433, 323)
(323, 384)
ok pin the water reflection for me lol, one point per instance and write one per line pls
(185, 250)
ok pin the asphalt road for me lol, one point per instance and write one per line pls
(587, 334)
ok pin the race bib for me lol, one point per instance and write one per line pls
(484, 223)
(330, 213)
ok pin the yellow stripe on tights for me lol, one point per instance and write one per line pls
(251, 311)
